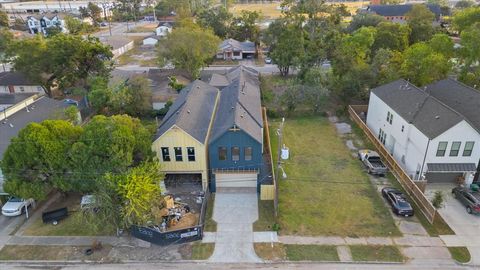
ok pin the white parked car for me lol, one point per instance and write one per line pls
(16, 206)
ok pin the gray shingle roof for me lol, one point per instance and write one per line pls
(44, 108)
(239, 105)
(14, 78)
(192, 111)
(451, 167)
(10, 99)
(236, 45)
(417, 107)
(459, 97)
(401, 10)
(115, 41)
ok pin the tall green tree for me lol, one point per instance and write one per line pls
(423, 65)
(470, 55)
(463, 19)
(245, 26)
(462, 4)
(6, 38)
(391, 36)
(364, 19)
(37, 159)
(385, 66)
(3, 19)
(286, 40)
(188, 48)
(138, 191)
(420, 19)
(61, 61)
(218, 19)
(442, 43)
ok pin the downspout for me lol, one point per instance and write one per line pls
(424, 158)
(477, 173)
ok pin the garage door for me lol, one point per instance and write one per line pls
(224, 180)
(442, 177)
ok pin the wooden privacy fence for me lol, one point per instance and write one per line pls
(407, 183)
(268, 192)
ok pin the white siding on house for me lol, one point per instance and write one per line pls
(22, 89)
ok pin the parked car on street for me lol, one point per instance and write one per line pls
(268, 60)
(372, 161)
(16, 206)
(397, 201)
(470, 199)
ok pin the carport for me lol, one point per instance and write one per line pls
(450, 172)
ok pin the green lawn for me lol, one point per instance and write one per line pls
(202, 251)
(460, 254)
(210, 224)
(74, 225)
(326, 192)
(311, 253)
(366, 253)
(266, 216)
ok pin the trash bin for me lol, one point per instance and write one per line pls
(474, 187)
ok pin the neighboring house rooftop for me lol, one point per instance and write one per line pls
(458, 96)
(14, 78)
(42, 109)
(428, 114)
(165, 24)
(115, 41)
(192, 111)
(239, 105)
(401, 10)
(11, 99)
(236, 45)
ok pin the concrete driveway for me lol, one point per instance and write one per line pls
(465, 226)
(235, 211)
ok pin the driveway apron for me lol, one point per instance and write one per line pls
(235, 213)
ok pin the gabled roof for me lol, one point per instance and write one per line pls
(236, 45)
(401, 10)
(239, 105)
(11, 99)
(14, 78)
(425, 112)
(192, 111)
(459, 97)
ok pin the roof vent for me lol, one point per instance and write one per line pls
(188, 111)
(241, 116)
(437, 116)
(233, 107)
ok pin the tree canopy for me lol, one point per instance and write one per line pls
(3, 19)
(189, 48)
(420, 19)
(61, 61)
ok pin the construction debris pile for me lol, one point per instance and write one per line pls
(175, 215)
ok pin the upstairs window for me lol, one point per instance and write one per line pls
(178, 154)
(222, 153)
(389, 117)
(442, 147)
(455, 149)
(382, 136)
(248, 153)
(467, 151)
(191, 153)
(235, 153)
(165, 154)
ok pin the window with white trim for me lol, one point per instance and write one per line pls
(442, 148)
(455, 149)
(467, 151)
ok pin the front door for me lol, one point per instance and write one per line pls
(11, 89)
(391, 144)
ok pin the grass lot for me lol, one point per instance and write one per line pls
(271, 10)
(202, 251)
(311, 253)
(210, 224)
(266, 216)
(376, 253)
(142, 28)
(269, 252)
(51, 253)
(460, 254)
(327, 192)
(74, 225)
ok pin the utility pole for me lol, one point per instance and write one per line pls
(279, 149)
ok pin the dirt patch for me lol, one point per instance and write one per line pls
(269, 252)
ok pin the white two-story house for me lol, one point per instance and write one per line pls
(433, 132)
(41, 24)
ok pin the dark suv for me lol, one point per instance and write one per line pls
(471, 200)
(397, 201)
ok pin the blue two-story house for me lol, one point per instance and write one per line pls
(235, 146)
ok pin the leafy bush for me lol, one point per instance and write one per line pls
(438, 199)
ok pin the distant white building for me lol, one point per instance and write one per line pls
(40, 24)
(151, 40)
(41, 7)
(433, 133)
(163, 29)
